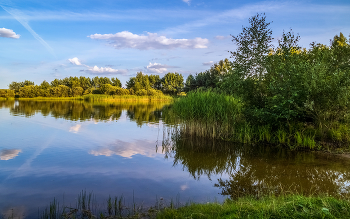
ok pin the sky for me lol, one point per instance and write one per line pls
(44, 40)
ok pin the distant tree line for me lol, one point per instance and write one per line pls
(141, 85)
(209, 79)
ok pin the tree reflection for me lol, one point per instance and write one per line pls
(83, 111)
(257, 170)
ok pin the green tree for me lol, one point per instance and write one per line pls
(246, 78)
(45, 85)
(172, 83)
(116, 82)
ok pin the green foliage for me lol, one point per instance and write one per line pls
(172, 83)
(210, 78)
(77, 91)
(289, 83)
(7, 93)
(116, 82)
(208, 106)
(17, 85)
(289, 206)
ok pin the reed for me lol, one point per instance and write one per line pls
(286, 205)
(113, 98)
(217, 116)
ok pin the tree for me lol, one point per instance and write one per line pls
(116, 82)
(15, 86)
(246, 78)
(172, 83)
(190, 83)
(45, 85)
(155, 82)
(253, 45)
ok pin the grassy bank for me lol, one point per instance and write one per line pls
(107, 98)
(287, 206)
(293, 206)
(213, 115)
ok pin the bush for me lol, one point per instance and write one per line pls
(7, 93)
(141, 92)
(77, 91)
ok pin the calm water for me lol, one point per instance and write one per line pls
(57, 149)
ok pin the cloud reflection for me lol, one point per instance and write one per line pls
(75, 129)
(8, 154)
(127, 149)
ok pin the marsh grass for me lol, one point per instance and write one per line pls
(218, 116)
(101, 97)
(287, 205)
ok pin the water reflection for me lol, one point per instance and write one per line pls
(84, 111)
(259, 170)
(8, 154)
(126, 149)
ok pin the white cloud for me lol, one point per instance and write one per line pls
(20, 17)
(8, 154)
(96, 69)
(187, 1)
(75, 129)
(157, 68)
(208, 63)
(75, 61)
(220, 37)
(8, 33)
(126, 39)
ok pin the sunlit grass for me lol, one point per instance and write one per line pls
(213, 115)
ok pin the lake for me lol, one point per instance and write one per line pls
(57, 149)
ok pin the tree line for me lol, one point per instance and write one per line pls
(141, 85)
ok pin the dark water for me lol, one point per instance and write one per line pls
(56, 149)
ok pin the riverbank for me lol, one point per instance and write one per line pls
(100, 97)
(290, 206)
(285, 206)
(215, 115)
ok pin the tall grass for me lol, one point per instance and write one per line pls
(289, 206)
(102, 97)
(209, 107)
(269, 206)
(213, 115)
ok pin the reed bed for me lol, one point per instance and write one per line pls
(218, 116)
(112, 98)
(107, 98)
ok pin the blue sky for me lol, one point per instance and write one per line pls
(43, 40)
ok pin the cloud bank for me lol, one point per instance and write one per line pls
(8, 33)
(126, 39)
(95, 69)
(157, 68)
